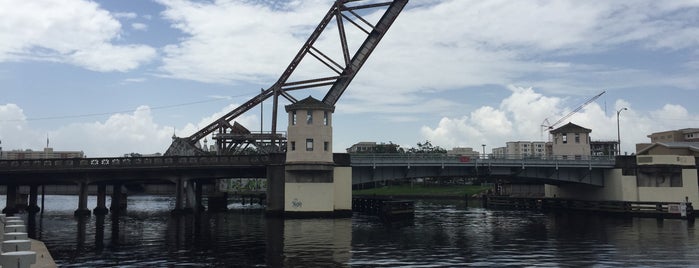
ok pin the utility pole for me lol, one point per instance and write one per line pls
(618, 133)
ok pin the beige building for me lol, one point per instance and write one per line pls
(571, 141)
(680, 135)
(312, 182)
(525, 149)
(47, 153)
(672, 136)
(462, 151)
(361, 147)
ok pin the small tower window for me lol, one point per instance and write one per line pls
(326, 146)
(577, 137)
(309, 144)
(325, 118)
(293, 118)
(293, 146)
(309, 117)
(565, 138)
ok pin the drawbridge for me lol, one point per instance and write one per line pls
(231, 137)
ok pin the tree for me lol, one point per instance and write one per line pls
(427, 148)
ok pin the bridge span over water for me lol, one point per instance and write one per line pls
(189, 173)
(365, 168)
(368, 168)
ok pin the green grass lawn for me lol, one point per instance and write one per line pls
(430, 190)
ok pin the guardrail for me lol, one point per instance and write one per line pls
(506, 160)
(131, 162)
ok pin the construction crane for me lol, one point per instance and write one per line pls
(230, 135)
(547, 126)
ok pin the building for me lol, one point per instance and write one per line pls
(362, 147)
(47, 153)
(671, 148)
(670, 137)
(499, 152)
(525, 149)
(603, 148)
(571, 141)
(313, 184)
(680, 135)
(462, 151)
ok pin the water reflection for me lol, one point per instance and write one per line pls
(441, 234)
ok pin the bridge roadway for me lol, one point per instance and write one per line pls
(188, 173)
(552, 170)
(365, 168)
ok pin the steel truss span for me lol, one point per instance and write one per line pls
(342, 13)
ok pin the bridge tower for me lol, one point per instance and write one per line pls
(313, 184)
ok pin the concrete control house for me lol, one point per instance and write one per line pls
(313, 184)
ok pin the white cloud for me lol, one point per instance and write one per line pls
(232, 41)
(77, 32)
(15, 133)
(519, 119)
(139, 26)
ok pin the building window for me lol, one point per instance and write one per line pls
(565, 138)
(293, 118)
(309, 117)
(326, 146)
(293, 146)
(309, 144)
(577, 137)
(325, 118)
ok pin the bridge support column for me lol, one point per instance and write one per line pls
(82, 201)
(33, 199)
(275, 189)
(101, 208)
(198, 197)
(190, 200)
(181, 201)
(118, 205)
(11, 203)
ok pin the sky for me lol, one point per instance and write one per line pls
(116, 77)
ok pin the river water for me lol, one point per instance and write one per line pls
(442, 234)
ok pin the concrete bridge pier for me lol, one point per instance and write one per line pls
(33, 199)
(191, 204)
(11, 203)
(101, 208)
(198, 193)
(82, 201)
(183, 204)
(118, 205)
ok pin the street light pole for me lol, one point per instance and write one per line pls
(618, 133)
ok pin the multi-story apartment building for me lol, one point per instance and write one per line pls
(680, 135)
(525, 149)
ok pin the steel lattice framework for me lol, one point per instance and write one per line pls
(229, 135)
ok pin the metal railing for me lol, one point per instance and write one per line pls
(505, 160)
(133, 162)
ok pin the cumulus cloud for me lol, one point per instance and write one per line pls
(14, 131)
(518, 118)
(76, 32)
(139, 26)
(230, 41)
